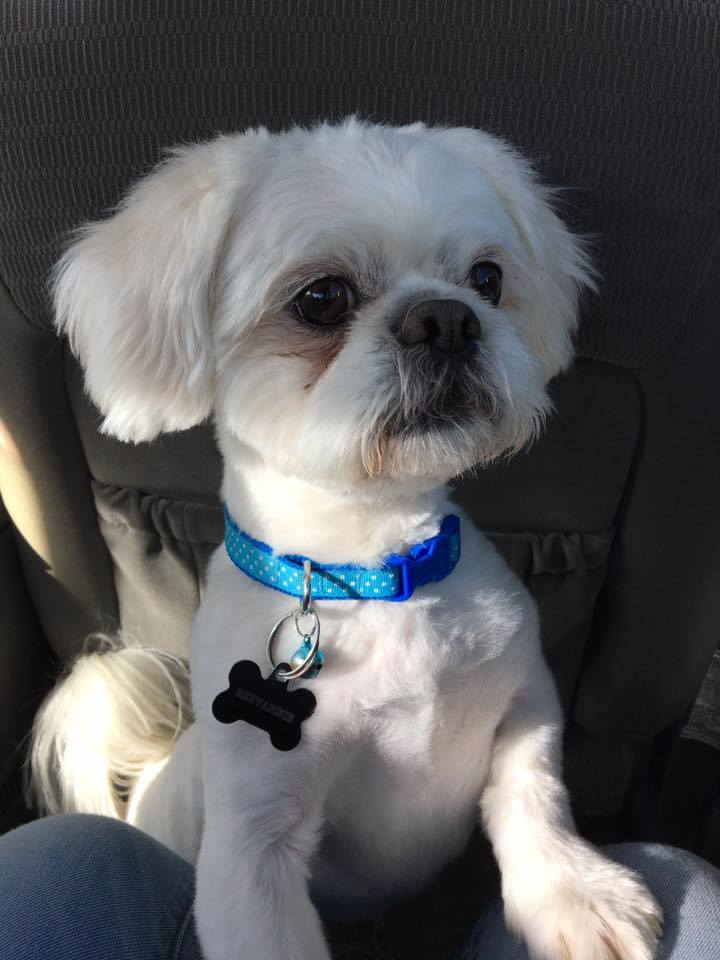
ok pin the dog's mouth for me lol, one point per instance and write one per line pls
(439, 393)
(440, 413)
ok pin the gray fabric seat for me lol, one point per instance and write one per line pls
(611, 518)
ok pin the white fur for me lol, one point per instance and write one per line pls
(118, 711)
(431, 713)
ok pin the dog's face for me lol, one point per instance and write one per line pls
(359, 304)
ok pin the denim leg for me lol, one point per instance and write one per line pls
(96, 889)
(82, 887)
(687, 888)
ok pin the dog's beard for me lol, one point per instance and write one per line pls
(435, 417)
(434, 393)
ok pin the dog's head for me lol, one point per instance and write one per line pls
(359, 304)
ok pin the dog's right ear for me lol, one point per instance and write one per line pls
(134, 293)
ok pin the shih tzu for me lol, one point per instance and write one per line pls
(366, 311)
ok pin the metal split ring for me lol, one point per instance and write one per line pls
(314, 634)
(310, 612)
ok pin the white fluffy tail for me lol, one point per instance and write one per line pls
(116, 713)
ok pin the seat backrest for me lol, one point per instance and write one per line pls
(610, 518)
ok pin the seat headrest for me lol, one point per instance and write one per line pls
(617, 102)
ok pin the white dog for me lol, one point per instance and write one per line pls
(367, 312)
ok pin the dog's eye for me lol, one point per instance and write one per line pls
(486, 278)
(325, 302)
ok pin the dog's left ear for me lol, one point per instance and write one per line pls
(560, 265)
(134, 293)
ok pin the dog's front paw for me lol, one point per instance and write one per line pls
(597, 910)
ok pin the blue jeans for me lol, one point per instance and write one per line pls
(90, 888)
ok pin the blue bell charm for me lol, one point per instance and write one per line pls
(302, 653)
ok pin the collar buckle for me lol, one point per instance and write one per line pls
(431, 560)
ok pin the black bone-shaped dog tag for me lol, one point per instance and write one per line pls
(264, 703)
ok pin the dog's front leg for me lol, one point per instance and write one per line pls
(565, 898)
(263, 812)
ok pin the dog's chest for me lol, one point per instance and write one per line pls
(429, 748)
(416, 711)
(407, 797)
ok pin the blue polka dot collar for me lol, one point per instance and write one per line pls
(397, 578)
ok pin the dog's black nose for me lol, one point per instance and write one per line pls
(445, 326)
